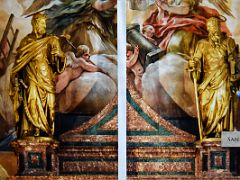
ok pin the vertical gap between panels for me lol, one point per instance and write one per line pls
(121, 34)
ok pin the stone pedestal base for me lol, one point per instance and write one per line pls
(161, 162)
(36, 157)
(235, 161)
(212, 159)
(88, 161)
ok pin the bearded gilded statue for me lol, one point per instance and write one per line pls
(39, 58)
(213, 66)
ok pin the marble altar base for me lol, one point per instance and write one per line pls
(212, 159)
(36, 157)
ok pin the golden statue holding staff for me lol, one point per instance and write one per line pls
(39, 58)
(213, 67)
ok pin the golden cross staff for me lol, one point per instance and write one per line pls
(194, 75)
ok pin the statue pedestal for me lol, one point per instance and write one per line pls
(37, 157)
(212, 159)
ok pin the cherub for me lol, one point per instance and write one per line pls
(134, 65)
(76, 65)
(148, 32)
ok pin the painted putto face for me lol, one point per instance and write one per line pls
(129, 54)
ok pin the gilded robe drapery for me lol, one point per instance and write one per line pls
(33, 92)
(214, 90)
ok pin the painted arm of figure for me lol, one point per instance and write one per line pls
(182, 8)
(133, 59)
(101, 5)
(75, 62)
(88, 66)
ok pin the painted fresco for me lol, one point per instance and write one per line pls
(154, 31)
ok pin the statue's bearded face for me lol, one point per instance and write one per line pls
(215, 36)
(214, 31)
(40, 26)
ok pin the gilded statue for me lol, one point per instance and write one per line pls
(213, 68)
(39, 58)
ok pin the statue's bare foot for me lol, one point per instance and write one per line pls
(37, 132)
(25, 134)
(218, 135)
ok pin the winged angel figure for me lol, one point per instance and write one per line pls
(89, 22)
